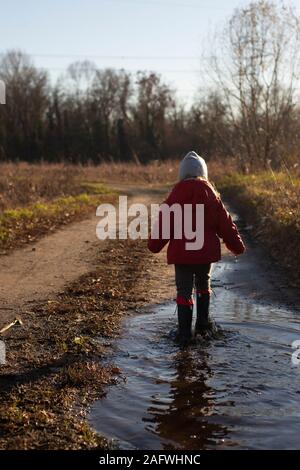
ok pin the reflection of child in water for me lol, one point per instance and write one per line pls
(192, 267)
(190, 402)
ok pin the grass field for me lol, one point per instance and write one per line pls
(23, 184)
(270, 202)
(38, 198)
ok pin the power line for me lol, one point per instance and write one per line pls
(110, 57)
(169, 4)
(61, 69)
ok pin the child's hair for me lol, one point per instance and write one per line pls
(207, 181)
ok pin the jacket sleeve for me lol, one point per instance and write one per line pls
(227, 230)
(157, 244)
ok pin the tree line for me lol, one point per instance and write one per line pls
(249, 111)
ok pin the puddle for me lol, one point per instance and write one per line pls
(239, 391)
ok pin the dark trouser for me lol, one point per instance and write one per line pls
(188, 276)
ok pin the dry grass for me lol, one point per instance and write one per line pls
(38, 199)
(271, 203)
(156, 172)
(267, 199)
(27, 224)
(23, 184)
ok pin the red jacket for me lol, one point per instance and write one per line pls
(217, 224)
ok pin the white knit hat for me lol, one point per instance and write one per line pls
(192, 166)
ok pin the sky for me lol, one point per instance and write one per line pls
(165, 36)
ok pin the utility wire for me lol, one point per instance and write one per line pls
(168, 4)
(117, 57)
(61, 69)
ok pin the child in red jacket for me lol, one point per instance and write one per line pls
(194, 195)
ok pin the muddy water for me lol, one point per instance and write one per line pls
(240, 390)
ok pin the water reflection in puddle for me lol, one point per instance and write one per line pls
(238, 391)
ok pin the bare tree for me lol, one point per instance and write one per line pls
(255, 66)
(26, 104)
(81, 75)
(111, 94)
(154, 101)
(208, 126)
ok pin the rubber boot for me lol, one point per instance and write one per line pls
(185, 315)
(202, 321)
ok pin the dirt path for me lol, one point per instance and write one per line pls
(42, 270)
